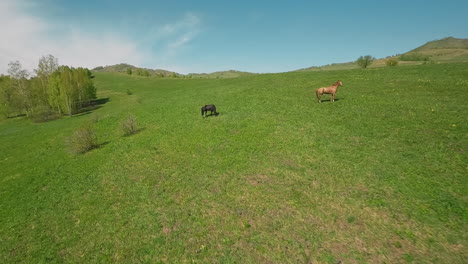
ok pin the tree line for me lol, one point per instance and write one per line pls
(53, 91)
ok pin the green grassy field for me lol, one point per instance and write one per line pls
(378, 176)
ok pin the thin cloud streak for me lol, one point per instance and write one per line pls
(170, 39)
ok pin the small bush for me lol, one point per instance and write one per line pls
(83, 139)
(43, 114)
(429, 62)
(391, 62)
(414, 57)
(129, 126)
(129, 92)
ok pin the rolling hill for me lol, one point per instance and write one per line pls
(220, 74)
(438, 51)
(445, 50)
(379, 176)
(123, 67)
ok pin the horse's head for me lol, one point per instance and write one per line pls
(339, 83)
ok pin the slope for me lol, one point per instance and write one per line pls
(378, 176)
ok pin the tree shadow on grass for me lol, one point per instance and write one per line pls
(99, 145)
(15, 116)
(92, 106)
(135, 132)
(94, 147)
(329, 100)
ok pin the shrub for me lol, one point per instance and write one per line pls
(129, 92)
(391, 62)
(429, 62)
(83, 139)
(43, 114)
(365, 61)
(414, 57)
(129, 126)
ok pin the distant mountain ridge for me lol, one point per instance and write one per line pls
(221, 74)
(448, 49)
(123, 68)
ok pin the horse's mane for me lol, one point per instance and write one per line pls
(338, 82)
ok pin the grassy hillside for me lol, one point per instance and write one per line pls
(379, 176)
(438, 51)
(444, 50)
(445, 43)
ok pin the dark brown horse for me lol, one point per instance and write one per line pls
(328, 90)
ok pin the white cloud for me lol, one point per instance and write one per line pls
(26, 37)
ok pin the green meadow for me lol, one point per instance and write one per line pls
(378, 176)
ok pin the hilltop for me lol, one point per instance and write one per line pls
(221, 74)
(445, 43)
(123, 68)
(445, 50)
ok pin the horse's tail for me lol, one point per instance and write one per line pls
(317, 93)
(202, 110)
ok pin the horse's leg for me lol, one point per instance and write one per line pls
(318, 95)
(332, 97)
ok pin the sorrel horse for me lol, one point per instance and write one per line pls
(328, 90)
(206, 108)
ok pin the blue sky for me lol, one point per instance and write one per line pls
(206, 36)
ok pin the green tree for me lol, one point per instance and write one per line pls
(9, 100)
(54, 92)
(129, 71)
(365, 61)
(19, 81)
(47, 65)
(68, 93)
(39, 87)
(70, 89)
